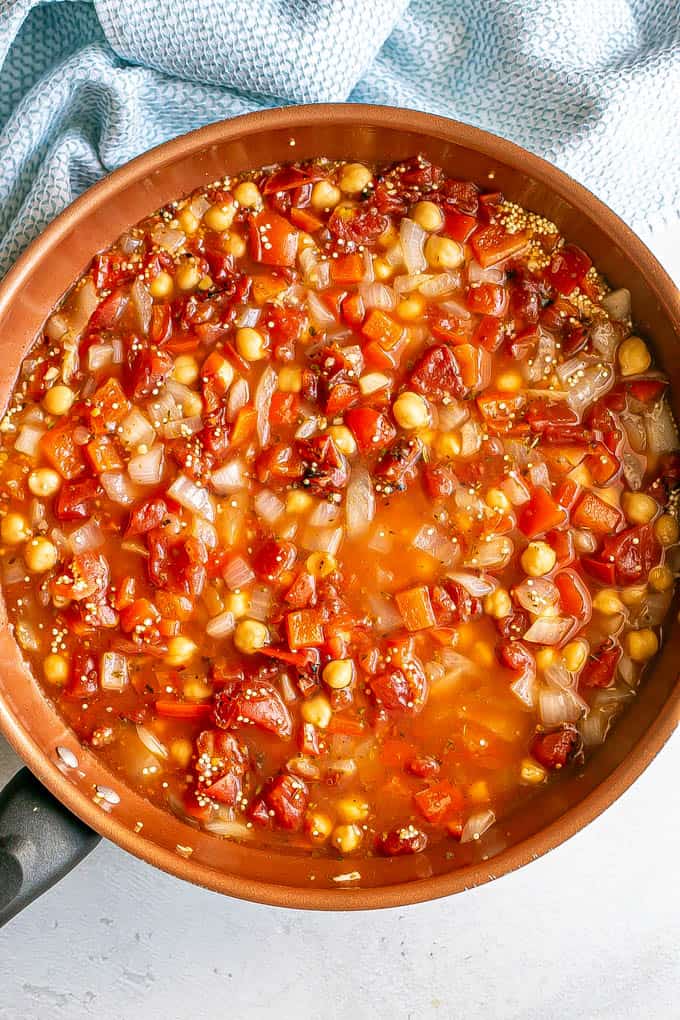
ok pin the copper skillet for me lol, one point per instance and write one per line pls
(37, 847)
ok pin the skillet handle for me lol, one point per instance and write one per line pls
(40, 841)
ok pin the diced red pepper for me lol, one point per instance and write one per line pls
(439, 802)
(458, 225)
(383, 328)
(568, 268)
(348, 268)
(474, 365)
(273, 241)
(371, 428)
(593, 513)
(540, 514)
(103, 454)
(575, 597)
(74, 499)
(492, 244)
(187, 710)
(603, 466)
(415, 607)
(284, 408)
(60, 448)
(304, 628)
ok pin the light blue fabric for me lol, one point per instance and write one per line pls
(593, 85)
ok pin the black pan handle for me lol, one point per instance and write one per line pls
(40, 841)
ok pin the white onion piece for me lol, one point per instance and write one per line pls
(136, 429)
(538, 475)
(151, 742)
(113, 672)
(119, 487)
(515, 489)
(394, 255)
(456, 308)
(470, 438)
(229, 478)
(28, 440)
(239, 395)
(323, 275)
(369, 271)
(181, 428)
(662, 433)
(13, 571)
(594, 728)
(142, 302)
(584, 381)
(323, 514)
(87, 536)
(169, 238)
(192, 497)
(385, 614)
(129, 244)
(412, 239)
(536, 594)
(557, 675)
(452, 415)
(617, 303)
(268, 506)
(627, 670)
(605, 338)
(319, 313)
(204, 531)
(359, 501)
(636, 433)
(475, 584)
(84, 303)
(198, 205)
(492, 553)
(229, 829)
(441, 284)
(584, 541)
(118, 351)
(524, 688)
(322, 539)
(147, 468)
(380, 541)
(263, 399)
(548, 630)
(288, 690)
(408, 283)
(355, 356)
(248, 317)
(543, 358)
(435, 543)
(56, 326)
(260, 602)
(477, 825)
(99, 356)
(237, 573)
(633, 470)
(492, 274)
(377, 295)
(557, 706)
(655, 607)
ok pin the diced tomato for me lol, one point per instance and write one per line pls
(244, 426)
(603, 466)
(273, 558)
(647, 391)
(160, 330)
(543, 413)
(474, 365)
(110, 269)
(401, 689)
(284, 408)
(458, 225)
(568, 268)
(109, 406)
(439, 802)
(601, 570)
(83, 681)
(125, 592)
(353, 310)
(415, 607)
(600, 668)
(305, 220)
(425, 766)
(501, 409)
(492, 244)
(516, 656)
(254, 702)
(74, 499)
(540, 514)
(86, 577)
(487, 299)
(556, 748)
(403, 841)
(146, 516)
(360, 224)
(383, 328)
(348, 268)
(372, 429)
(188, 710)
(273, 241)
(302, 592)
(593, 513)
(633, 552)
(489, 333)
(325, 469)
(340, 397)
(148, 372)
(575, 597)
(141, 613)
(286, 797)
(304, 628)
(436, 374)
(61, 450)
(103, 454)
(566, 493)
(397, 466)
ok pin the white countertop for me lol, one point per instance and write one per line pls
(590, 931)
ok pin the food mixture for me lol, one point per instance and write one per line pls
(337, 507)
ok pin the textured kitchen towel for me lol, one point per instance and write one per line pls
(593, 85)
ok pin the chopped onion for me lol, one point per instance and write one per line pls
(548, 630)
(456, 308)
(142, 302)
(181, 428)
(476, 825)
(452, 415)
(655, 607)
(268, 506)
(263, 399)
(229, 829)
(322, 539)
(129, 244)
(386, 615)
(633, 470)
(151, 742)
(662, 433)
(147, 468)
(248, 317)
(584, 541)
(237, 573)
(454, 662)
(136, 429)
(557, 706)
(37, 515)
(119, 487)
(536, 594)
(84, 303)
(617, 303)
(359, 501)
(412, 239)
(627, 670)
(524, 688)
(542, 360)
(167, 237)
(492, 274)
(118, 351)
(28, 440)
(381, 540)
(87, 536)
(394, 255)
(260, 602)
(377, 295)
(435, 543)
(113, 671)
(369, 271)
(229, 478)
(308, 428)
(204, 531)
(557, 675)
(324, 513)
(408, 283)
(56, 326)
(355, 356)
(318, 312)
(13, 571)
(475, 584)
(198, 205)
(538, 475)
(99, 356)
(594, 728)
(636, 433)
(515, 489)
(584, 380)
(323, 275)
(288, 690)
(470, 438)
(493, 552)
(239, 395)
(192, 497)
(441, 284)
(605, 338)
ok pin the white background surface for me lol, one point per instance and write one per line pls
(590, 931)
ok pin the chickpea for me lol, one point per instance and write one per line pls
(162, 285)
(40, 555)
(633, 595)
(634, 356)
(237, 603)
(250, 636)
(248, 195)
(574, 655)
(55, 669)
(181, 650)
(608, 602)
(235, 245)
(298, 502)
(641, 644)
(352, 809)
(538, 559)
(354, 177)
(196, 689)
(338, 673)
(639, 508)
(666, 529)
(325, 196)
(250, 344)
(318, 826)
(343, 439)
(219, 217)
(448, 444)
(192, 405)
(411, 307)
(411, 411)
(317, 711)
(428, 216)
(509, 382)
(531, 771)
(497, 500)
(382, 269)
(185, 369)
(321, 564)
(389, 237)
(59, 400)
(545, 657)
(44, 482)
(181, 751)
(661, 578)
(205, 283)
(498, 604)
(14, 529)
(443, 253)
(188, 276)
(187, 220)
(372, 382)
(347, 838)
(290, 379)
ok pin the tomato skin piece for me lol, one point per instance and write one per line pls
(148, 373)
(372, 429)
(458, 225)
(487, 299)
(436, 374)
(290, 177)
(556, 748)
(273, 241)
(302, 592)
(568, 268)
(74, 498)
(540, 514)
(438, 802)
(146, 517)
(402, 842)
